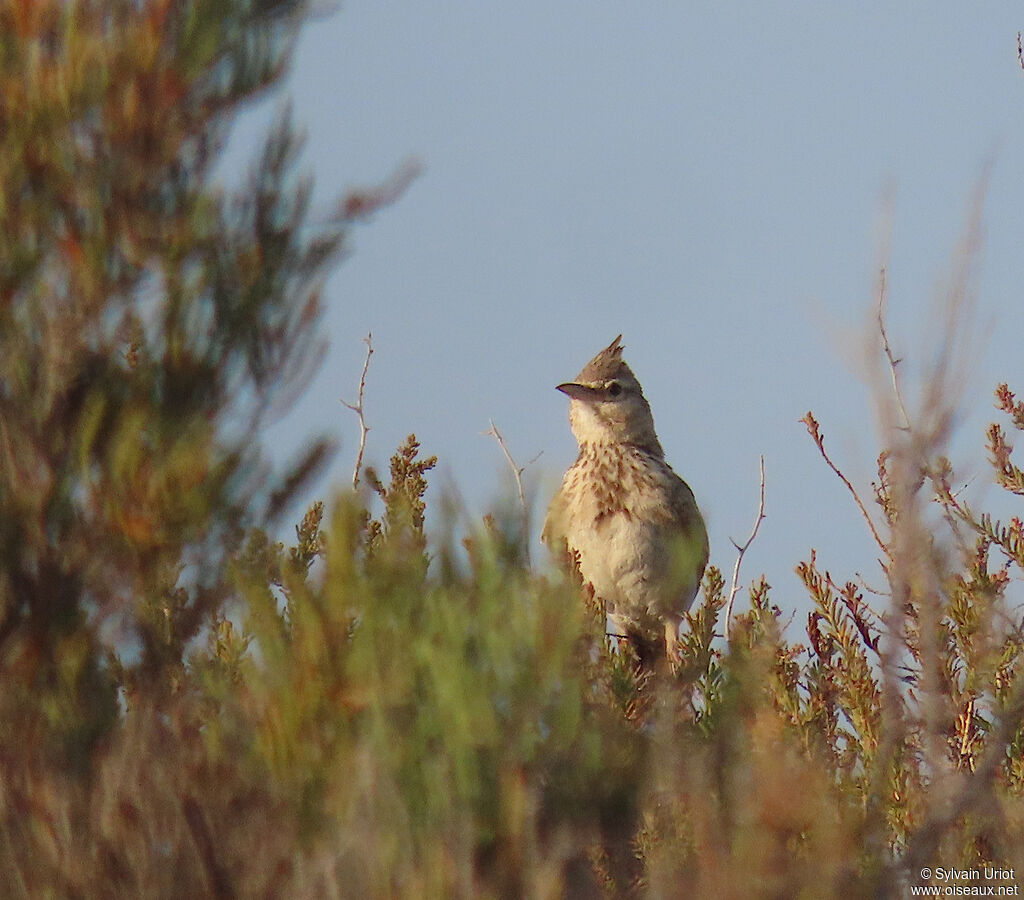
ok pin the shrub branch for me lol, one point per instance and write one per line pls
(517, 474)
(887, 349)
(741, 550)
(814, 430)
(357, 408)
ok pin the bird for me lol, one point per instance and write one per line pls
(629, 520)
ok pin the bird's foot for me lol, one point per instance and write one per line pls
(672, 650)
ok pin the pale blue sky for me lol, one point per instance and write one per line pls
(706, 179)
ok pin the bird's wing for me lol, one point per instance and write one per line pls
(690, 545)
(554, 522)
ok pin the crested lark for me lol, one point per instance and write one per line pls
(632, 521)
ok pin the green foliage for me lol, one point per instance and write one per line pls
(144, 314)
(401, 526)
(188, 708)
(470, 731)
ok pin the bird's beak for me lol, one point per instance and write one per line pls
(578, 391)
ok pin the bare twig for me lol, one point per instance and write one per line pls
(963, 487)
(742, 549)
(517, 474)
(868, 589)
(893, 362)
(814, 430)
(357, 408)
(517, 470)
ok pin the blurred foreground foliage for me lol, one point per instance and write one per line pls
(190, 709)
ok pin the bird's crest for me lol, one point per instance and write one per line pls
(606, 365)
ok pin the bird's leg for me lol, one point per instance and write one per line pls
(672, 643)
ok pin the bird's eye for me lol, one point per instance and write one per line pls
(614, 389)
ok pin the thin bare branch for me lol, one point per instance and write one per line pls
(517, 474)
(887, 349)
(814, 430)
(741, 550)
(357, 408)
(517, 470)
(963, 487)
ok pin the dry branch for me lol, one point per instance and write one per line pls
(517, 474)
(814, 430)
(887, 349)
(357, 408)
(741, 550)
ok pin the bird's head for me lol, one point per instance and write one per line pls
(607, 404)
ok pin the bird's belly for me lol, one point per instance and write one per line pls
(619, 556)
